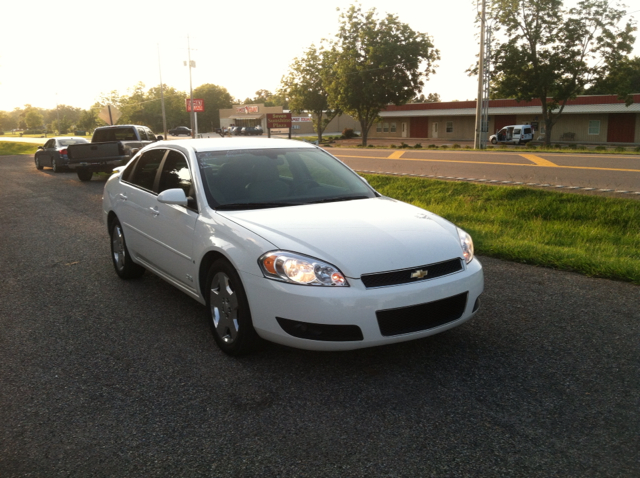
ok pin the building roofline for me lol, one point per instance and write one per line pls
(504, 103)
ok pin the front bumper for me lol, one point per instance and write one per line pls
(271, 301)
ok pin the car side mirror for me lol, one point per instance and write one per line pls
(173, 196)
(159, 138)
(40, 147)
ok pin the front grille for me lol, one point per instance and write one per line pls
(322, 332)
(415, 318)
(382, 279)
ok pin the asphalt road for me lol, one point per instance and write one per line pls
(619, 174)
(103, 377)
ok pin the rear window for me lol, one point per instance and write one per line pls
(527, 130)
(114, 134)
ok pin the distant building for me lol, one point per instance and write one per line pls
(302, 124)
(585, 119)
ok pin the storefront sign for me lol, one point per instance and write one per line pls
(278, 120)
(198, 105)
(301, 119)
(247, 109)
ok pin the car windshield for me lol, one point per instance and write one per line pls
(69, 141)
(260, 178)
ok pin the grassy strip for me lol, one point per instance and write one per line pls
(8, 148)
(593, 235)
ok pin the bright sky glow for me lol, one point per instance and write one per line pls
(69, 52)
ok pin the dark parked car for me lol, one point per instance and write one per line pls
(179, 131)
(54, 153)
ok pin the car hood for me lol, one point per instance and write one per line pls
(359, 236)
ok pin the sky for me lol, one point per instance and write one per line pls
(68, 52)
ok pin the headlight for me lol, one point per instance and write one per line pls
(299, 269)
(467, 245)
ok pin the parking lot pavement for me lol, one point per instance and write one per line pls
(102, 377)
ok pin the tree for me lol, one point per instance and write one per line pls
(431, 98)
(624, 80)
(551, 53)
(376, 63)
(34, 119)
(268, 99)
(304, 88)
(215, 98)
(88, 119)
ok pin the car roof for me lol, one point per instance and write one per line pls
(225, 144)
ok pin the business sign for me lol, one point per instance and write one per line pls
(198, 105)
(301, 119)
(278, 120)
(245, 110)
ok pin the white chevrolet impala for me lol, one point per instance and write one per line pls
(284, 242)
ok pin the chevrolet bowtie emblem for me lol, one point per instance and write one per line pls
(419, 274)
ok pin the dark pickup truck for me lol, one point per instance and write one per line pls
(110, 147)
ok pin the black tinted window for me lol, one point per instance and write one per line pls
(145, 169)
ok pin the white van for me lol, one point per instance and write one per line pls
(516, 134)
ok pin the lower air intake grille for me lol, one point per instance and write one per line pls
(322, 332)
(421, 317)
(415, 274)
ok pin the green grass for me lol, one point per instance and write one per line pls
(592, 235)
(8, 148)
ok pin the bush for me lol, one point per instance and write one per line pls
(418, 146)
(489, 146)
(637, 150)
(582, 147)
(620, 149)
(444, 146)
(600, 148)
(532, 147)
(370, 146)
(557, 146)
(348, 133)
(404, 145)
(456, 146)
(34, 131)
(572, 146)
(432, 146)
(393, 146)
(359, 145)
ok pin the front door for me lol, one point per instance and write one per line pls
(404, 130)
(434, 130)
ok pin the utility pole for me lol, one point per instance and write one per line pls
(164, 116)
(192, 113)
(477, 144)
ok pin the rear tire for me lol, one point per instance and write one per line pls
(84, 175)
(229, 314)
(122, 263)
(54, 165)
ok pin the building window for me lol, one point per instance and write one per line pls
(594, 127)
(393, 127)
(385, 128)
(449, 126)
(378, 127)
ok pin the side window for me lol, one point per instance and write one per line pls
(150, 135)
(516, 131)
(143, 134)
(175, 174)
(50, 144)
(144, 170)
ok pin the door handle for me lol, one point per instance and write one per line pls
(122, 196)
(154, 211)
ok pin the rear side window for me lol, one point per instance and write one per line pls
(143, 172)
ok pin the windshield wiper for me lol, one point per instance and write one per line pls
(254, 205)
(337, 199)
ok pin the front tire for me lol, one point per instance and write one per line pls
(229, 314)
(38, 164)
(124, 266)
(494, 141)
(84, 175)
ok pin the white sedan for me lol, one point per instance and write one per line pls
(284, 242)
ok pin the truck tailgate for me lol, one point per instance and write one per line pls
(90, 152)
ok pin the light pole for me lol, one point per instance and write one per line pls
(477, 144)
(192, 113)
(164, 116)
